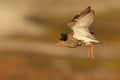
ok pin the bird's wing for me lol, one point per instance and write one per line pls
(81, 22)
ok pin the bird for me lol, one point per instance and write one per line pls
(81, 34)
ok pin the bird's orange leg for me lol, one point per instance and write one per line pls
(92, 53)
(89, 49)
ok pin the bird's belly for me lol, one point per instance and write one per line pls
(85, 39)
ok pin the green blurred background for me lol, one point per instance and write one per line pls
(29, 30)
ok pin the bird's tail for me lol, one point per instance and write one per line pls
(96, 41)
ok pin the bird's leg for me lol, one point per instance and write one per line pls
(89, 49)
(92, 53)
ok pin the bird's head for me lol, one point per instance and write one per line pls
(62, 40)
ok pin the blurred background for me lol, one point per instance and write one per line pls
(29, 30)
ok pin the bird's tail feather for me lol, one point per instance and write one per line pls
(96, 41)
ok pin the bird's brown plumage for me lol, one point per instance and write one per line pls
(71, 42)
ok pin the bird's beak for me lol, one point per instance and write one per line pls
(60, 42)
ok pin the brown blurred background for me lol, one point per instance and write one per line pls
(29, 30)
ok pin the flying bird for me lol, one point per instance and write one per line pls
(81, 34)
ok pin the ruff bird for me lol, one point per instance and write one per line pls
(81, 34)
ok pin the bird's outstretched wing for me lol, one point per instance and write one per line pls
(80, 24)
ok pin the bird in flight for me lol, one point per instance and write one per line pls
(81, 34)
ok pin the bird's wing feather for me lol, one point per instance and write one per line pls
(80, 24)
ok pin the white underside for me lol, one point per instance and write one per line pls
(85, 39)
